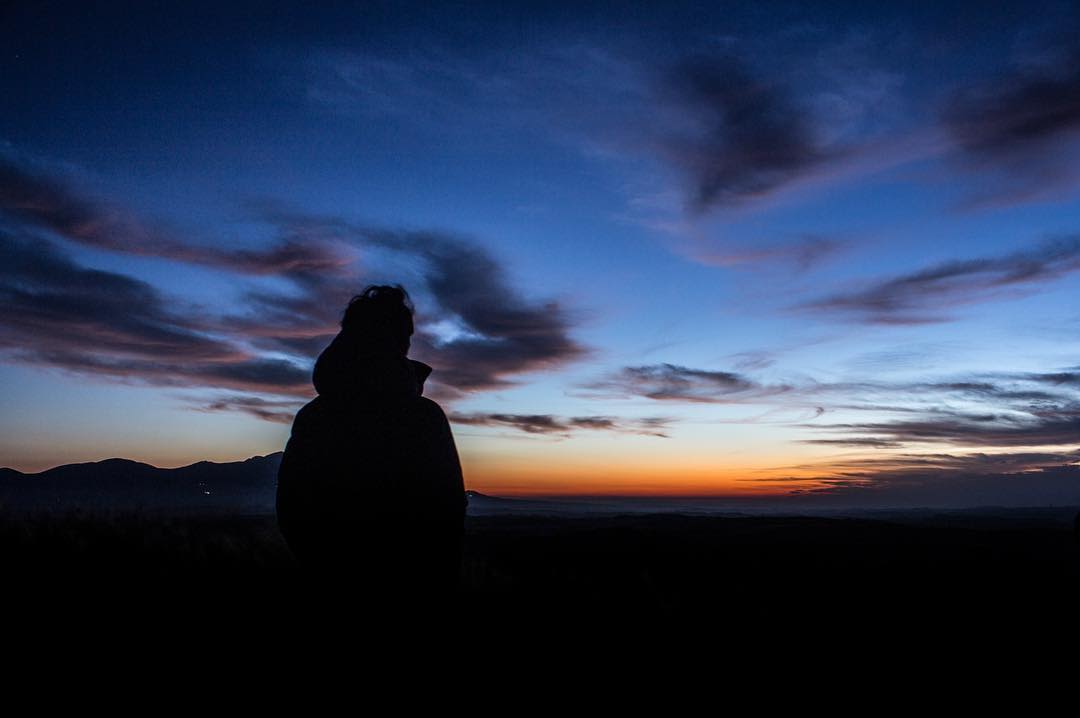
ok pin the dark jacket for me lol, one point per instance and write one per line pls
(371, 469)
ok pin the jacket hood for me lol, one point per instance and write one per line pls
(344, 369)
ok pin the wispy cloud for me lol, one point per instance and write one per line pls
(858, 442)
(976, 479)
(732, 133)
(60, 314)
(1018, 127)
(498, 333)
(744, 136)
(1025, 111)
(55, 308)
(299, 323)
(504, 333)
(1003, 410)
(48, 203)
(1053, 426)
(928, 295)
(564, 426)
(670, 382)
(280, 411)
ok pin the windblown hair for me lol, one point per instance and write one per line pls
(380, 317)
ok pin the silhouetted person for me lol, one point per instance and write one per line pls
(370, 493)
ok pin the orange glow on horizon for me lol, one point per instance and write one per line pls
(640, 479)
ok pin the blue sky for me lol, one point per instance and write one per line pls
(731, 249)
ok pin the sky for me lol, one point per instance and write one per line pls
(825, 250)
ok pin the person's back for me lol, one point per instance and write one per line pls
(370, 491)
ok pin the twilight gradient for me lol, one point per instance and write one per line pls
(736, 250)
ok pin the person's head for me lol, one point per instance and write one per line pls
(381, 319)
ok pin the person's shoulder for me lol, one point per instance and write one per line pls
(430, 407)
(427, 413)
(314, 415)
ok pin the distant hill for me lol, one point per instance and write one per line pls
(122, 484)
(239, 486)
(245, 486)
(249, 487)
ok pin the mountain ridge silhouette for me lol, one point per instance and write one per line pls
(248, 485)
(122, 484)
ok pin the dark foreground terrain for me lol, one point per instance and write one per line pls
(980, 572)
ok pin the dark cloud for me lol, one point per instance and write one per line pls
(985, 390)
(1000, 410)
(1049, 427)
(564, 426)
(745, 137)
(995, 388)
(1022, 112)
(280, 411)
(58, 314)
(43, 202)
(499, 333)
(495, 333)
(256, 374)
(62, 315)
(50, 303)
(247, 373)
(926, 296)
(1013, 131)
(669, 382)
(855, 442)
(317, 264)
(529, 423)
(1061, 378)
(301, 322)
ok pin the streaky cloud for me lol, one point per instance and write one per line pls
(49, 302)
(1022, 112)
(59, 314)
(501, 334)
(47, 203)
(1048, 427)
(504, 334)
(855, 442)
(1019, 131)
(671, 382)
(946, 480)
(927, 295)
(276, 410)
(744, 136)
(565, 426)
(1002, 410)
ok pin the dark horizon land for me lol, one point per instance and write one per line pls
(658, 568)
(756, 316)
(249, 486)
